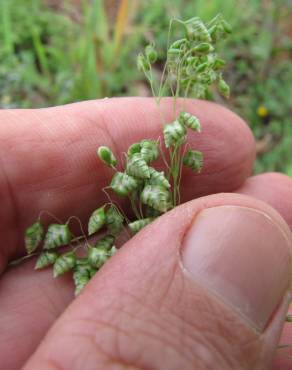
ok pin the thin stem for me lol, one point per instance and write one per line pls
(134, 207)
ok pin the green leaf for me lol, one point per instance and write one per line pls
(33, 236)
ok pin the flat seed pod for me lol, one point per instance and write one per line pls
(123, 184)
(174, 133)
(57, 235)
(137, 167)
(114, 221)
(33, 236)
(107, 156)
(158, 178)
(105, 242)
(97, 257)
(136, 226)
(134, 149)
(64, 263)
(149, 150)
(190, 121)
(46, 259)
(96, 221)
(194, 160)
(156, 197)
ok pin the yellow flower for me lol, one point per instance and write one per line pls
(262, 111)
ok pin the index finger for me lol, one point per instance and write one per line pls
(48, 159)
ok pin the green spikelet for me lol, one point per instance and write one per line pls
(149, 150)
(137, 167)
(136, 226)
(105, 242)
(194, 160)
(64, 263)
(107, 156)
(96, 220)
(197, 31)
(134, 149)
(223, 88)
(112, 251)
(46, 259)
(33, 236)
(156, 197)
(80, 280)
(114, 221)
(190, 121)
(123, 184)
(56, 236)
(174, 133)
(97, 256)
(158, 178)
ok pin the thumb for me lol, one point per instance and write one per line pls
(206, 286)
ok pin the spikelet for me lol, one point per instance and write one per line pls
(136, 226)
(114, 220)
(194, 160)
(156, 197)
(203, 48)
(112, 251)
(197, 31)
(158, 178)
(123, 184)
(56, 236)
(46, 259)
(107, 156)
(134, 149)
(97, 256)
(96, 221)
(105, 242)
(151, 53)
(64, 263)
(174, 133)
(149, 150)
(223, 88)
(137, 167)
(190, 121)
(33, 236)
(80, 280)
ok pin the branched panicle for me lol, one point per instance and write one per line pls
(192, 67)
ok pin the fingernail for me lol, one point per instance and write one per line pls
(243, 257)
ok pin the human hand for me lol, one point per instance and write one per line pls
(203, 287)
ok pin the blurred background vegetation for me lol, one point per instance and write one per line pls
(55, 52)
